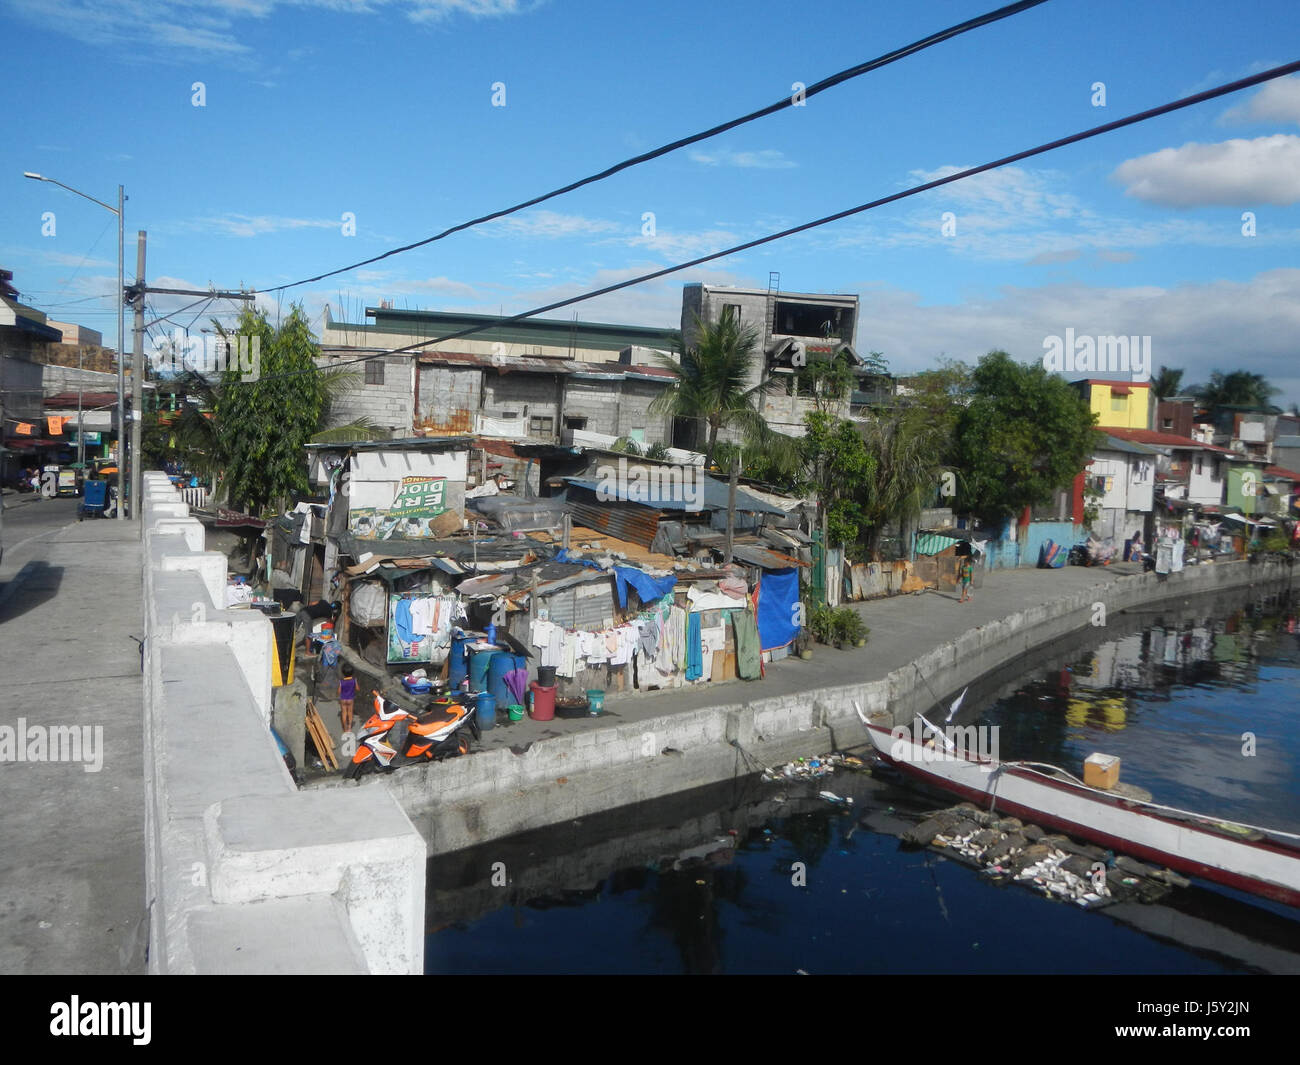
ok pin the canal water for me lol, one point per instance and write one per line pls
(1201, 703)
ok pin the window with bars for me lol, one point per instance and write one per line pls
(374, 371)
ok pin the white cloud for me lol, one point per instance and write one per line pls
(765, 159)
(682, 246)
(547, 224)
(1196, 327)
(1277, 101)
(243, 225)
(185, 28)
(1234, 173)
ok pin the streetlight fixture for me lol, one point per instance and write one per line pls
(121, 357)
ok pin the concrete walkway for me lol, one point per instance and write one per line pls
(72, 840)
(902, 628)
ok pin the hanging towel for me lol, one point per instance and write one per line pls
(694, 650)
(748, 656)
(402, 618)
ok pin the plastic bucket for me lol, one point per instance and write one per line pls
(487, 711)
(595, 701)
(546, 676)
(543, 701)
(516, 712)
(479, 662)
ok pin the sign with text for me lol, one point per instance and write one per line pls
(418, 500)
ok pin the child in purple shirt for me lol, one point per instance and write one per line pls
(347, 692)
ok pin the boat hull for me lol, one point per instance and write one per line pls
(1268, 868)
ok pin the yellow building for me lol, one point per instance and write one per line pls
(1117, 404)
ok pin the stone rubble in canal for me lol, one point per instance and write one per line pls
(1007, 851)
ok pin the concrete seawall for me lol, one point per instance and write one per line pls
(244, 873)
(657, 751)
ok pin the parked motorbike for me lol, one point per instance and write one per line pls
(394, 736)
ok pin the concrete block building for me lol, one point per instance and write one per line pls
(794, 328)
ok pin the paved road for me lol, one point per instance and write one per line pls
(71, 840)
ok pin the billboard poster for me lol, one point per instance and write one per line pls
(418, 501)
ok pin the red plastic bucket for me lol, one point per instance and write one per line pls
(543, 708)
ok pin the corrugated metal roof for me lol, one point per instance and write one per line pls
(932, 543)
(626, 521)
(708, 492)
(763, 558)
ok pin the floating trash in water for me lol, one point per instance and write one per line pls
(812, 768)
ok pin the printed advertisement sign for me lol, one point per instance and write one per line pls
(418, 501)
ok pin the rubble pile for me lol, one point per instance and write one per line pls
(1008, 851)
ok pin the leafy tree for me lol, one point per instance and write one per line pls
(829, 382)
(712, 386)
(907, 450)
(1166, 382)
(1024, 435)
(264, 424)
(1240, 388)
(840, 469)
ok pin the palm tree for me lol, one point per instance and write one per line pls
(907, 446)
(1167, 382)
(712, 386)
(1240, 388)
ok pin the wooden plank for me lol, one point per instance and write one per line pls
(320, 736)
(719, 665)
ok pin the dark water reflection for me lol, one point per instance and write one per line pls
(748, 877)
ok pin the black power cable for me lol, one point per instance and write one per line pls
(636, 160)
(1074, 138)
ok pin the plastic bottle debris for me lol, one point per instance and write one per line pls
(811, 768)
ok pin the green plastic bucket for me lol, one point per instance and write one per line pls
(516, 712)
(595, 701)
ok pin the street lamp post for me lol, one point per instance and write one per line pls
(121, 330)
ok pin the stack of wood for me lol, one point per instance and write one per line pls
(320, 736)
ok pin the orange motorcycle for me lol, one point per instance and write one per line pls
(394, 736)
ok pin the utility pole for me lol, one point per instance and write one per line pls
(731, 506)
(137, 375)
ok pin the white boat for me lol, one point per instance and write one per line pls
(1261, 861)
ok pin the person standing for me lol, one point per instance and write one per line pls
(965, 572)
(347, 693)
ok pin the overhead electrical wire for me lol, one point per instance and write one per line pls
(636, 160)
(1074, 138)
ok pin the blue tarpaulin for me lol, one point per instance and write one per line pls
(778, 595)
(650, 589)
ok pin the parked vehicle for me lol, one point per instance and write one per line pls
(394, 736)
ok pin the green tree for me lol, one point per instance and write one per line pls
(1024, 435)
(828, 382)
(1166, 382)
(712, 387)
(1240, 388)
(840, 469)
(264, 424)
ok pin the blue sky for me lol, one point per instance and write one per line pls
(315, 108)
